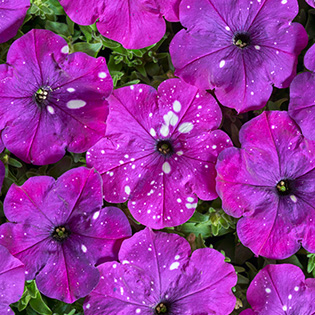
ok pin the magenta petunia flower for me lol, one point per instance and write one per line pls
(2, 168)
(311, 3)
(61, 232)
(239, 48)
(12, 278)
(51, 101)
(270, 181)
(281, 289)
(302, 96)
(157, 275)
(160, 150)
(135, 24)
(12, 13)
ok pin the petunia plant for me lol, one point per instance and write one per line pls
(12, 13)
(281, 289)
(51, 101)
(239, 48)
(59, 231)
(270, 181)
(135, 24)
(156, 276)
(163, 155)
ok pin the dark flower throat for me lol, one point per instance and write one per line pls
(60, 233)
(283, 187)
(161, 308)
(241, 40)
(165, 148)
(42, 94)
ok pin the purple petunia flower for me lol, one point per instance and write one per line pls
(311, 3)
(2, 168)
(156, 275)
(12, 13)
(61, 232)
(135, 24)
(12, 278)
(50, 100)
(238, 47)
(302, 96)
(160, 149)
(281, 289)
(270, 181)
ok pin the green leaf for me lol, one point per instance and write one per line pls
(14, 163)
(58, 28)
(90, 49)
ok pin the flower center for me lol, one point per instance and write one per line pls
(241, 40)
(283, 187)
(60, 233)
(161, 308)
(41, 94)
(165, 147)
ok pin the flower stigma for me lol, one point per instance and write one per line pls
(165, 148)
(42, 94)
(161, 308)
(283, 187)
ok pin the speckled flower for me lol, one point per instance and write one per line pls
(160, 150)
(239, 48)
(270, 181)
(12, 13)
(51, 101)
(135, 24)
(157, 275)
(281, 289)
(61, 232)
(302, 97)
(311, 3)
(12, 278)
(2, 169)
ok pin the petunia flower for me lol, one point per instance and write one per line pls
(2, 168)
(160, 150)
(302, 96)
(311, 3)
(281, 289)
(12, 13)
(51, 101)
(239, 48)
(60, 231)
(12, 278)
(157, 275)
(135, 24)
(270, 181)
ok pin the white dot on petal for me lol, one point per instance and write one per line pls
(114, 266)
(177, 257)
(290, 296)
(96, 215)
(70, 90)
(284, 1)
(127, 190)
(293, 198)
(65, 49)
(227, 28)
(152, 132)
(88, 306)
(84, 249)
(138, 310)
(222, 63)
(257, 47)
(267, 290)
(214, 147)
(102, 75)
(284, 307)
(74, 104)
(131, 87)
(190, 199)
(177, 106)
(179, 200)
(174, 265)
(50, 109)
(185, 127)
(164, 130)
(179, 152)
(166, 167)
(296, 289)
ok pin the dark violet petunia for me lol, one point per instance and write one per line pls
(12, 278)
(281, 290)
(12, 14)
(51, 101)
(302, 97)
(311, 3)
(160, 150)
(239, 48)
(60, 231)
(135, 24)
(157, 275)
(270, 181)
